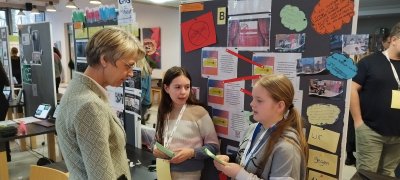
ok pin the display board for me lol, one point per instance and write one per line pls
(36, 54)
(227, 44)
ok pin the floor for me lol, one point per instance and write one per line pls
(21, 161)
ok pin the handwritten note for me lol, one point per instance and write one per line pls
(330, 15)
(341, 66)
(321, 114)
(323, 138)
(322, 161)
(293, 18)
(198, 32)
(312, 175)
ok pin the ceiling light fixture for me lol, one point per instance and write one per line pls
(71, 4)
(34, 10)
(50, 7)
(21, 13)
(160, 1)
(95, 2)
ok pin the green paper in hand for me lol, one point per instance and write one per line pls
(209, 153)
(166, 151)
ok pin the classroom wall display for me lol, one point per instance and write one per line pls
(262, 41)
(38, 76)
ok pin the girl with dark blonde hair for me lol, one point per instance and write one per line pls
(275, 147)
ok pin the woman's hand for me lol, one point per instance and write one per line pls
(182, 154)
(223, 158)
(159, 154)
(229, 169)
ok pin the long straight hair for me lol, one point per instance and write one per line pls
(166, 103)
(281, 89)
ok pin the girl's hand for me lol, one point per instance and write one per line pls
(182, 154)
(159, 154)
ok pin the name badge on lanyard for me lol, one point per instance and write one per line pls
(250, 153)
(168, 138)
(395, 93)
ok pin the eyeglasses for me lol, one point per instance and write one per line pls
(128, 65)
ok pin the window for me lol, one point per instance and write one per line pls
(3, 20)
(27, 19)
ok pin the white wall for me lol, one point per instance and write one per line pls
(168, 19)
(147, 16)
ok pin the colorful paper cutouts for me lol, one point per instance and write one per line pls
(330, 15)
(312, 65)
(325, 88)
(341, 66)
(191, 7)
(198, 32)
(322, 161)
(322, 114)
(323, 138)
(290, 42)
(293, 18)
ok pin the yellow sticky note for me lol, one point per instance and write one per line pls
(210, 62)
(312, 175)
(220, 121)
(320, 114)
(221, 16)
(163, 169)
(325, 139)
(395, 99)
(263, 71)
(322, 161)
(213, 91)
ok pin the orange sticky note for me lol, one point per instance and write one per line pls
(192, 7)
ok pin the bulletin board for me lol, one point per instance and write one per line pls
(36, 54)
(322, 88)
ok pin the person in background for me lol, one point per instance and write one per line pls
(183, 126)
(385, 41)
(57, 67)
(275, 147)
(91, 137)
(146, 88)
(16, 65)
(4, 103)
(372, 105)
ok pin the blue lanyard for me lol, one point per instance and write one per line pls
(252, 149)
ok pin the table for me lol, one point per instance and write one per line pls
(32, 130)
(14, 105)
